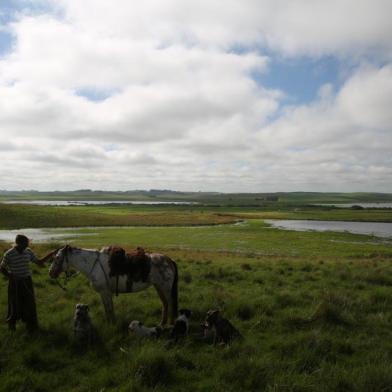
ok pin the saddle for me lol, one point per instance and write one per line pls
(135, 265)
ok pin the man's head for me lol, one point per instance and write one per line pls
(21, 241)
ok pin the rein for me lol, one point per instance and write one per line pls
(60, 285)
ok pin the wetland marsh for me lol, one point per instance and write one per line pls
(315, 308)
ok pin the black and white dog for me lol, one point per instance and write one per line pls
(181, 325)
(136, 327)
(84, 330)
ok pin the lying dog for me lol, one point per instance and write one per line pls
(181, 325)
(223, 330)
(139, 329)
(84, 331)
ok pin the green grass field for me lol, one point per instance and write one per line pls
(30, 216)
(315, 309)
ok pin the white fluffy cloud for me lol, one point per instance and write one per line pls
(124, 95)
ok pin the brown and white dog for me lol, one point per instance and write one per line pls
(84, 330)
(223, 330)
(136, 327)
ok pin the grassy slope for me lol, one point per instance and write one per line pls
(270, 283)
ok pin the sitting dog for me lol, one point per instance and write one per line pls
(139, 329)
(83, 327)
(224, 331)
(181, 325)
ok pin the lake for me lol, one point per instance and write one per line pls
(378, 229)
(91, 202)
(363, 205)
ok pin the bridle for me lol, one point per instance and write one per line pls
(59, 266)
(60, 262)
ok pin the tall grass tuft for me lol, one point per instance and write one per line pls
(153, 367)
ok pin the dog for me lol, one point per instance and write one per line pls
(181, 325)
(84, 330)
(224, 332)
(140, 330)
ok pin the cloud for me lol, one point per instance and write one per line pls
(319, 27)
(126, 95)
(342, 138)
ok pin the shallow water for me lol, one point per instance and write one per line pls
(42, 235)
(378, 229)
(90, 202)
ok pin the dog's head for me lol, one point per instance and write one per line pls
(185, 312)
(81, 311)
(212, 317)
(135, 325)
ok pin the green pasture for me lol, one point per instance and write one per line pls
(315, 310)
(253, 238)
(31, 216)
(25, 216)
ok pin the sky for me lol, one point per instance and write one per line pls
(196, 95)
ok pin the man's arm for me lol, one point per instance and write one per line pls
(41, 262)
(3, 268)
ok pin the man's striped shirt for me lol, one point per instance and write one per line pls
(19, 263)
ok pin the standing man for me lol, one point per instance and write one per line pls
(21, 299)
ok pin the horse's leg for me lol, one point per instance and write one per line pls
(171, 292)
(107, 301)
(164, 301)
(172, 307)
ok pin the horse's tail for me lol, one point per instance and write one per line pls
(174, 292)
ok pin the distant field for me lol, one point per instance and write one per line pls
(315, 310)
(319, 214)
(29, 216)
(207, 198)
(19, 216)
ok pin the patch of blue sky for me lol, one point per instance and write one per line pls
(94, 94)
(300, 79)
(10, 9)
(6, 42)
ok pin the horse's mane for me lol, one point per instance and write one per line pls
(106, 249)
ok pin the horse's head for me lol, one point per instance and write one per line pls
(60, 263)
